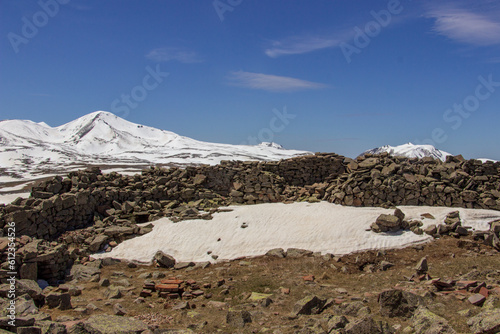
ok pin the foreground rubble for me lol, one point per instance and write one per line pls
(448, 286)
(67, 219)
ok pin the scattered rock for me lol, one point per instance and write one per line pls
(276, 252)
(336, 322)
(426, 322)
(238, 318)
(422, 267)
(398, 303)
(164, 260)
(118, 309)
(59, 300)
(366, 325)
(486, 322)
(477, 299)
(112, 324)
(297, 252)
(309, 305)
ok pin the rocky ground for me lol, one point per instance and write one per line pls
(447, 286)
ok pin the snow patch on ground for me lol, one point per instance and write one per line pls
(320, 227)
(8, 198)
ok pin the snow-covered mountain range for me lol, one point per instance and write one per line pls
(411, 151)
(29, 150)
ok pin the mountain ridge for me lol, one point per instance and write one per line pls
(410, 150)
(102, 138)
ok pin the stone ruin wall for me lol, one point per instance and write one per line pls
(112, 204)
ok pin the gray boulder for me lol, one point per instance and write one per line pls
(80, 272)
(426, 322)
(398, 303)
(51, 327)
(276, 252)
(337, 322)
(164, 260)
(113, 324)
(367, 325)
(387, 223)
(486, 322)
(238, 318)
(297, 252)
(59, 300)
(309, 305)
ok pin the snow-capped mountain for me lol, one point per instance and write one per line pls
(411, 151)
(29, 149)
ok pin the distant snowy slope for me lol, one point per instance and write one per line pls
(411, 151)
(29, 149)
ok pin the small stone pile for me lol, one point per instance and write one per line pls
(491, 237)
(452, 226)
(390, 223)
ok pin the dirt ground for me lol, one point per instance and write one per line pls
(354, 277)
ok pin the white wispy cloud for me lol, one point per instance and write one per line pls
(272, 83)
(466, 26)
(304, 44)
(178, 54)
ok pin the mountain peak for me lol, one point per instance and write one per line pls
(271, 144)
(410, 150)
(102, 138)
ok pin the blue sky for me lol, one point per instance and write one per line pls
(331, 76)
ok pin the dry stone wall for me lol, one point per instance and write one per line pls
(88, 211)
(387, 181)
(66, 204)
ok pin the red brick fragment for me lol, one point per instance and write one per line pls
(190, 282)
(483, 291)
(172, 281)
(167, 287)
(308, 278)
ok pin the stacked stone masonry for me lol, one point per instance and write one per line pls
(107, 207)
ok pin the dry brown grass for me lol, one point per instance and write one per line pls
(267, 275)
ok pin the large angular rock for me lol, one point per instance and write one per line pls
(367, 325)
(276, 252)
(113, 324)
(309, 305)
(113, 292)
(25, 306)
(387, 223)
(297, 252)
(398, 303)
(486, 322)
(495, 227)
(368, 163)
(164, 260)
(422, 266)
(238, 318)
(336, 322)
(97, 243)
(30, 287)
(59, 300)
(29, 330)
(426, 322)
(20, 321)
(51, 327)
(80, 272)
